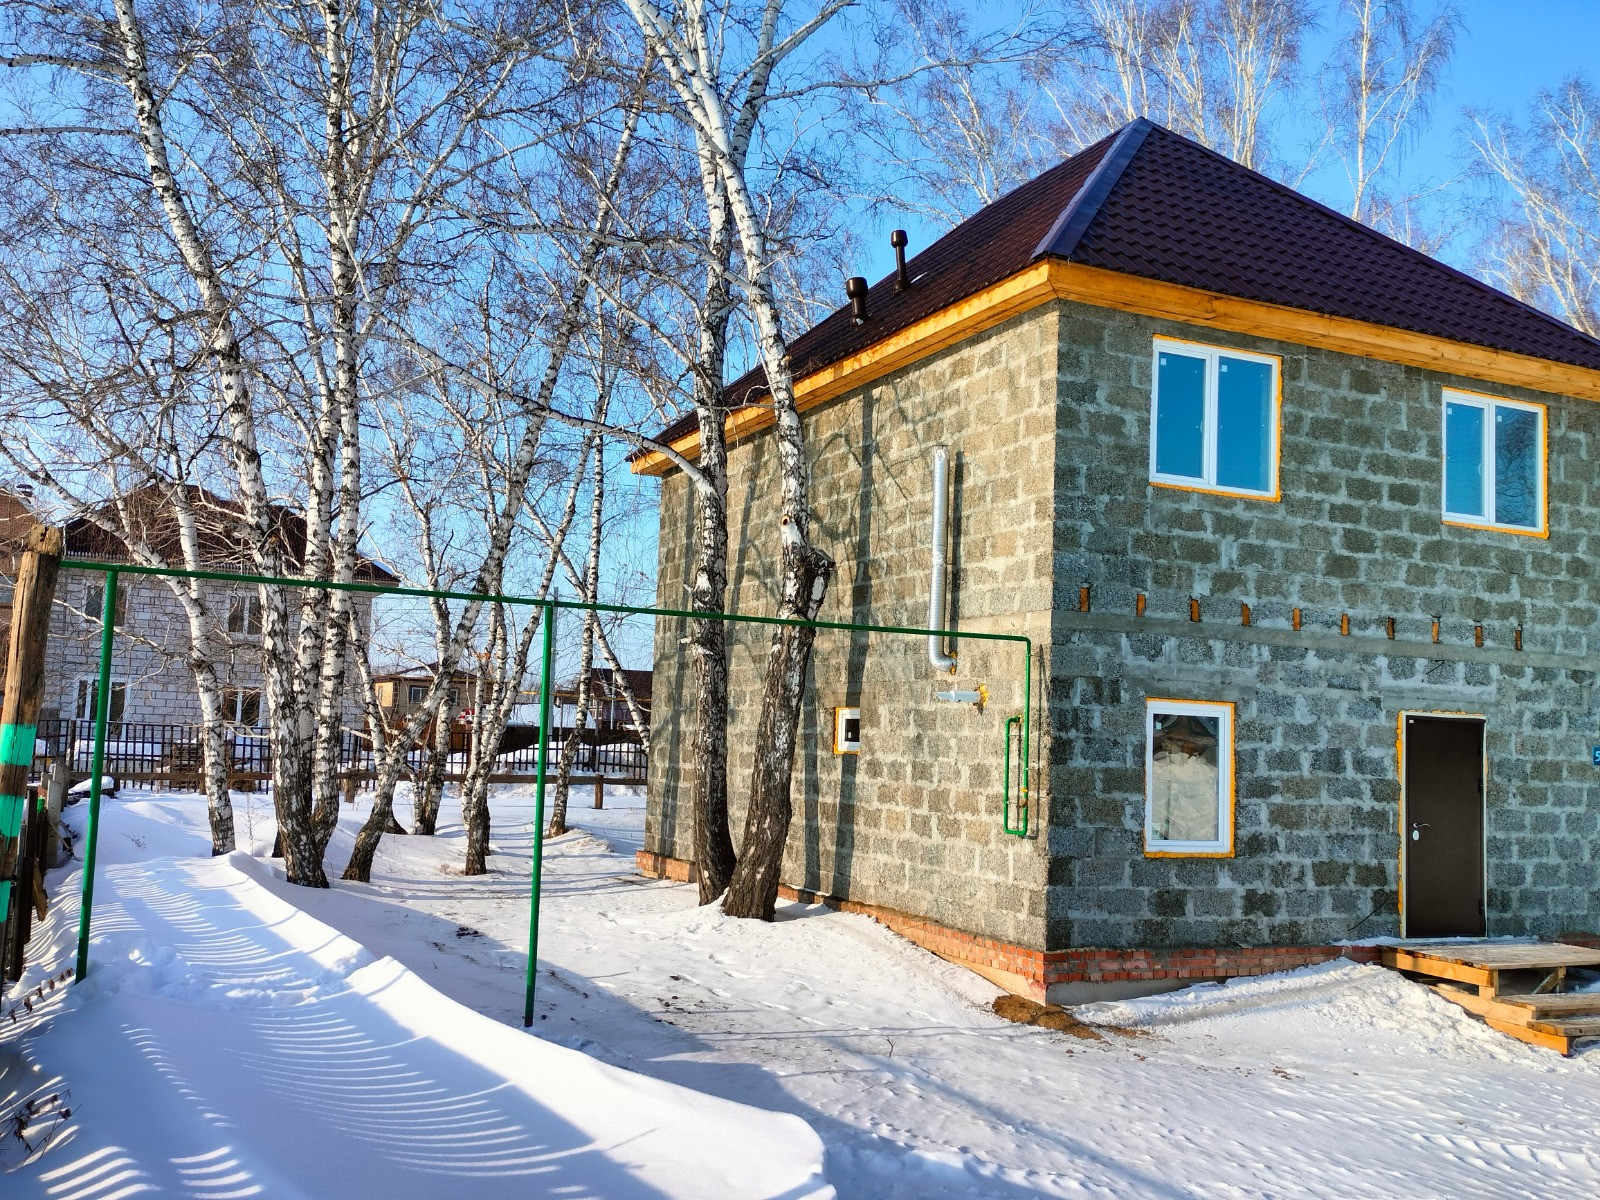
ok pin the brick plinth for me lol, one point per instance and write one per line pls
(1033, 972)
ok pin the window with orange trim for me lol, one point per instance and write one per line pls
(1214, 419)
(1188, 766)
(1494, 462)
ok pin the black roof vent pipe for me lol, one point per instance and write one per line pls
(902, 277)
(856, 288)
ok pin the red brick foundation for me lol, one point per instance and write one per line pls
(1032, 972)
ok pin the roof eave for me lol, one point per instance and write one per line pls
(1053, 279)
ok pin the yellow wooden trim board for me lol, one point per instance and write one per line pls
(1404, 960)
(1052, 279)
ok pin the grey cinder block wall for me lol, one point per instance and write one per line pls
(1357, 531)
(912, 823)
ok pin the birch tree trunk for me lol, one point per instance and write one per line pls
(694, 60)
(430, 784)
(708, 642)
(485, 742)
(574, 739)
(590, 593)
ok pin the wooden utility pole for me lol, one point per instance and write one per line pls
(19, 719)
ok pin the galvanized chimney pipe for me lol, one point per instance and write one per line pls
(936, 579)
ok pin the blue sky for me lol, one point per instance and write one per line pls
(1509, 51)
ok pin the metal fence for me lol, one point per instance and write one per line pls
(141, 754)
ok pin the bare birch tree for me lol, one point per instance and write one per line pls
(1375, 92)
(723, 101)
(1209, 69)
(1547, 250)
(299, 159)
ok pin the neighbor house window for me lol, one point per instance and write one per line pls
(416, 693)
(88, 698)
(94, 602)
(242, 705)
(244, 615)
(1188, 772)
(1214, 419)
(1494, 463)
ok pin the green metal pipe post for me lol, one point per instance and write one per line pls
(546, 686)
(102, 709)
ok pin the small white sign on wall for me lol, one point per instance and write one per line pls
(847, 731)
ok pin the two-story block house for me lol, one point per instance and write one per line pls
(1302, 525)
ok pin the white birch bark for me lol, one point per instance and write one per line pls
(723, 131)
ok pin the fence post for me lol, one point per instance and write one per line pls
(19, 719)
(102, 708)
(546, 670)
(599, 791)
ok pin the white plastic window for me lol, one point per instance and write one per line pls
(244, 615)
(1494, 462)
(1188, 777)
(1214, 419)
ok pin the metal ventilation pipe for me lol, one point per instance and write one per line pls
(936, 578)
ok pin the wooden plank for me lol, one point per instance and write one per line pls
(1513, 956)
(1027, 289)
(1406, 960)
(1483, 1006)
(1157, 298)
(1571, 1029)
(32, 598)
(1560, 1043)
(1039, 282)
(1563, 1002)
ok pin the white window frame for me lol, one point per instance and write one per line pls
(233, 707)
(84, 694)
(1207, 481)
(248, 610)
(1487, 405)
(416, 693)
(1222, 847)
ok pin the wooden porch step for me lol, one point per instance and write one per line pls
(1492, 980)
(1571, 1004)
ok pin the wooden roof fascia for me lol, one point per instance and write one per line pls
(1025, 290)
(1053, 279)
(1155, 298)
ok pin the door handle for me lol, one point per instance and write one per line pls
(1416, 830)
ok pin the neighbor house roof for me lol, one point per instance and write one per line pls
(150, 513)
(1149, 204)
(605, 680)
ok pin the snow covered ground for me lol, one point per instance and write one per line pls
(227, 1043)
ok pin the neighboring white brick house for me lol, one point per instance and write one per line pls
(151, 680)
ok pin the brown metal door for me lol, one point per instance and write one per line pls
(1444, 827)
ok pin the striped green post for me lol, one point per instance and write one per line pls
(546, 669)
(16, 750)
(102, 709)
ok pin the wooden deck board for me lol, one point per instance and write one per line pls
(1537, 1037)
(1484, 1006)
(1504, 956)
(1558, 1002)
(1570, 1029)
(1405, 960)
